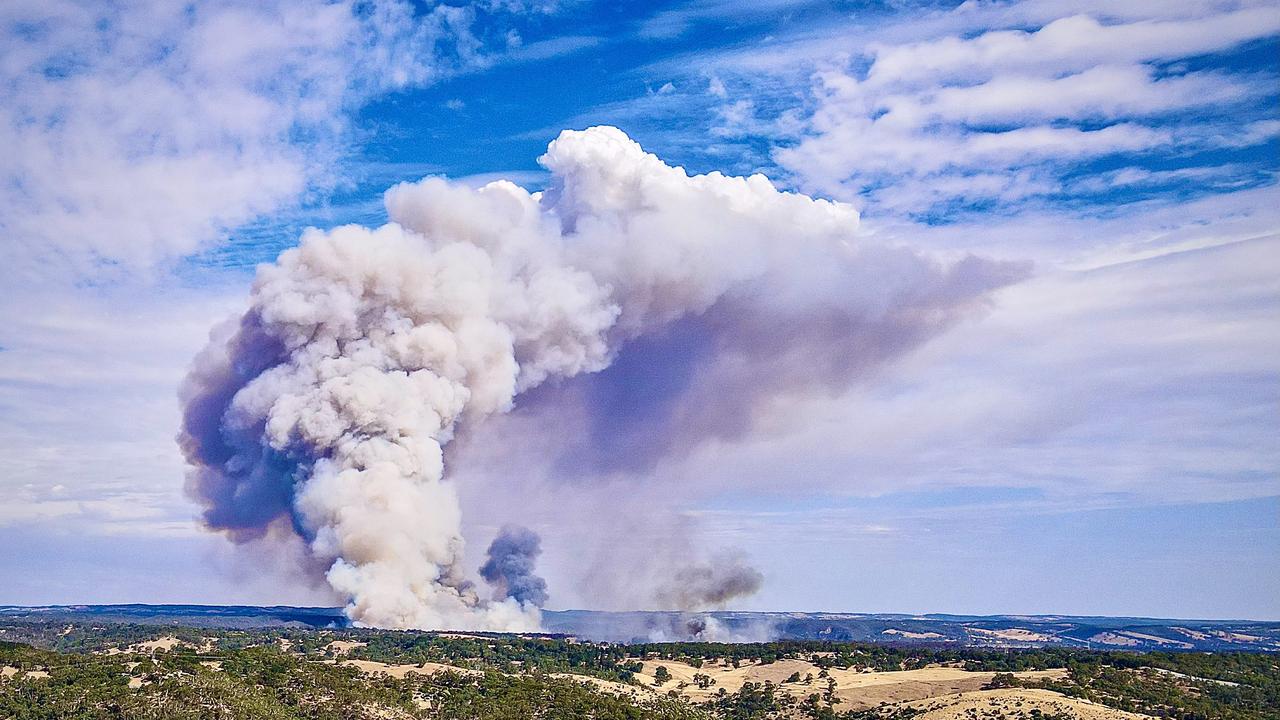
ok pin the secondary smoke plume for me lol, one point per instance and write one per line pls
(325, 408)
(711, 584)
(509, 567)
(705, 627)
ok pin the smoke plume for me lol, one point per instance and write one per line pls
(509, 567)
(706, 627)
(325, 408)
(711, 584)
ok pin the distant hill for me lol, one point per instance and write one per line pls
(1103, 633)
(215, 616)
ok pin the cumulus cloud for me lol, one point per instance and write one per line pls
(328, 404)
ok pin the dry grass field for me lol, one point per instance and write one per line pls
(856, 690)
(1015, 704)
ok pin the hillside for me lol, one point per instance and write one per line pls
(59, 669)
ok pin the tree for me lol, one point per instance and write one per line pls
(830, 694)
(1001, 680)
(661, 675)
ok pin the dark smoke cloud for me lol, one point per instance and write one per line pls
(509, 567)
(244, 485)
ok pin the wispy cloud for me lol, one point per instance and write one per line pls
(949, 112)
(550, 48)
(676, 21)
(143, 132)
(88, 403)
(989, 105)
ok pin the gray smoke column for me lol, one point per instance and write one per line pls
(325, 408)
(509, 567)
(712, 584)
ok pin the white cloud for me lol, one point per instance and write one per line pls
(676, 21)
(849, 156)
(1056, 238)
(948, 111)
(1071, 43)
(1224, 176)
(1098, 93)
(142, 132)
(916, 112)
(800, 45)
(547, 49)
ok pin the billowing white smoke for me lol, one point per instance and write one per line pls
(325, 407)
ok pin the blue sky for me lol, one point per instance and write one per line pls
(1102, 439)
